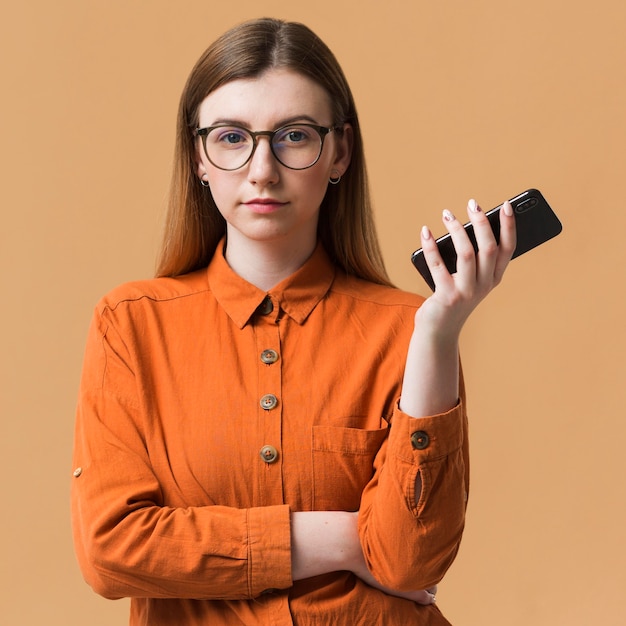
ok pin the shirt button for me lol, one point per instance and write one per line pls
(420, 440)
(269, 356)
(77, 472)
(268, 401)
(266, 307)
(269, 454)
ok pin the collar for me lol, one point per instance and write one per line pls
(297, 295)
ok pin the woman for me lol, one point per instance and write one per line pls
(234, 457)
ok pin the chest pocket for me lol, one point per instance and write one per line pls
(343, 463)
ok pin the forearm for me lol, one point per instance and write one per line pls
(322, 542)
(131, 542)
(431, 377)
(328, 541)
(209, 552)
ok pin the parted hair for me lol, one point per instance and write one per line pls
(193, 224)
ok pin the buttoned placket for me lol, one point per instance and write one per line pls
(270, 420)
(269, 406)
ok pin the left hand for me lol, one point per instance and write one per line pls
(457, 295)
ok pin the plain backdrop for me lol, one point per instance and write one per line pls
(457, 99)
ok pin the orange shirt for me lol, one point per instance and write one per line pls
(209, 410)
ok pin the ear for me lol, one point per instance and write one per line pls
(343, 150)
(201, 170)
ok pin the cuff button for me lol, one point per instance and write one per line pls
(420, 440)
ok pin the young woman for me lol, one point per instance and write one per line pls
(269, 432)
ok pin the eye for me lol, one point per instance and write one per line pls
(229, 137)
(294, 135)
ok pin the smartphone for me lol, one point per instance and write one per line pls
(535, 221)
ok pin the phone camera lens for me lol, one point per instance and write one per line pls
(526, 205)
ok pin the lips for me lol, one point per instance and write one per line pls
(264, 205)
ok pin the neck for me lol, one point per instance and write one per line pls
(266, 263)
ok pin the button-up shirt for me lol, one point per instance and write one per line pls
(209, 410)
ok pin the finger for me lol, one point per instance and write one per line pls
(508, 240)
(425, 597)
(487, 245)
(466, 255)
(433, 592)
(436, 265)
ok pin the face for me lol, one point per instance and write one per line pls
(265, 201)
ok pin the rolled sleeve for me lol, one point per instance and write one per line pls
(427, 445)
(409, 539)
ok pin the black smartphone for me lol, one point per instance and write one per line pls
(535, 221)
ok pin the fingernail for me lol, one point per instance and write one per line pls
(426, 232)
(472, 205)
(507, 208)
(447, 215)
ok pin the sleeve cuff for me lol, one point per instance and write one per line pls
(421, 439)
(269, 549)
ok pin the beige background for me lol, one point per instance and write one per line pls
(484, 99)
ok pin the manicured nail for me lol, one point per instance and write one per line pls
(472, 205)
(447, 215)
(507, 208)
(426, 232)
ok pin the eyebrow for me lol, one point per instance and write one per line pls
(280, 124)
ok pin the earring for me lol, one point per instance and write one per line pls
(335, 177)
(204, 183)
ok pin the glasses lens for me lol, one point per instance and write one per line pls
(228, 147)
(297, 147)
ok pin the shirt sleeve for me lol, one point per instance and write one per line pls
(127, 542)
(408, 542)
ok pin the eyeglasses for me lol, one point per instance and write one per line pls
(296, 146)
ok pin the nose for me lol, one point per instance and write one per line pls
(263, 166)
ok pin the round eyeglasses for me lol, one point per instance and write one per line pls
(296, 146)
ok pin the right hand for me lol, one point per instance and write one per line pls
(359, 569)
(422, 596)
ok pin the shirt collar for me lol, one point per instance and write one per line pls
(297, 295)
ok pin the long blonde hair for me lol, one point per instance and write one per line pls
(193, 223)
